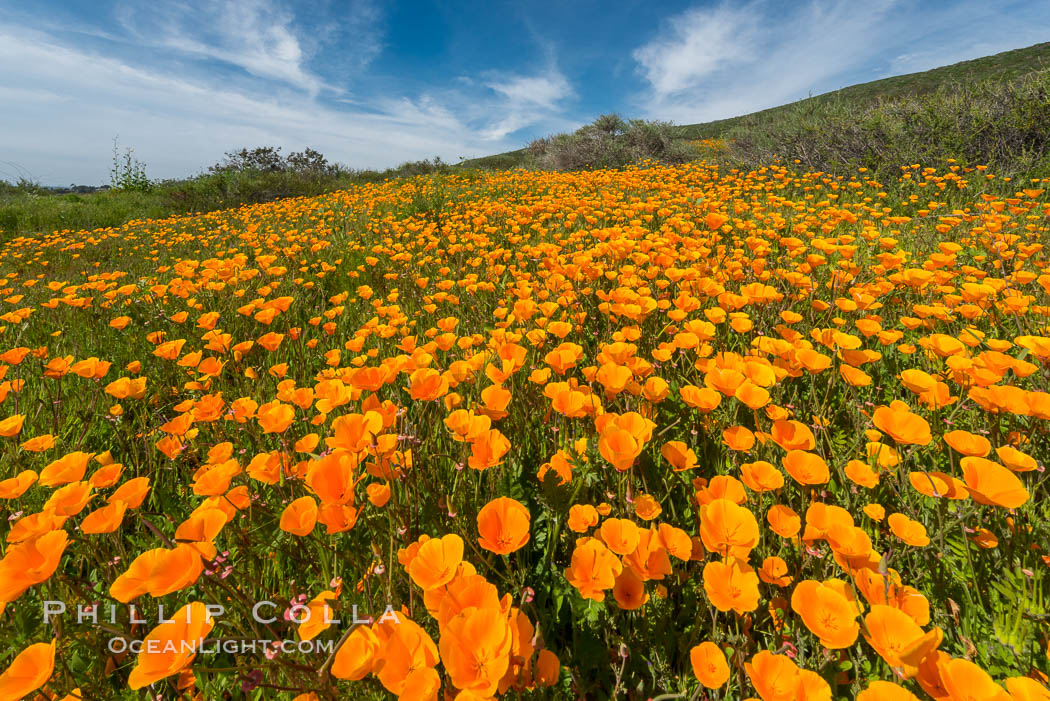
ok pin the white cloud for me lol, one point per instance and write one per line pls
(542, 90)
(526, 100)
(735, 60)
(257, 36)
(69, 103)
(698, 44)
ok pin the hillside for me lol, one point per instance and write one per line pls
(1006, 66)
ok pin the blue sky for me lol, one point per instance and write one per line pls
(373, 84)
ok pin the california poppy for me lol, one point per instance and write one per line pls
(435, 563)
(826, 613)
(29, 670)
(990, 483)
(299, 517)
(503, 525)
(171, 647)
(731, 585)
(593, 569)
(728, 529)
(709, 665)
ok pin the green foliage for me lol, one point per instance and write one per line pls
(610, 142)
(268, 159)
(127, 172)
(1003, 125)
(26, 207)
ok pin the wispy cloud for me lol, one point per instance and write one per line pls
(71, 102)
(698, 44)
(260, 37)
(525, 100)
(731, 60)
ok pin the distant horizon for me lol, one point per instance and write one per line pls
(373, 86)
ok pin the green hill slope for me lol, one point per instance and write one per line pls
(1005, 67)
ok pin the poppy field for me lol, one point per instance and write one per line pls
(654, 433)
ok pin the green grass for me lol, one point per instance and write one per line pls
(29, 208)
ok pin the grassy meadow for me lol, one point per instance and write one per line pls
(658, 432)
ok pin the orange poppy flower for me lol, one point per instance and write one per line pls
(709, 665)
(171, 647)
(405, 664)
(378, 494)
(337, 518)
(582, 517)
(299, 517)
(104, 520)
(968, 443)
(620, 535)
(159, 572)
(68, 468)
(911, 532)
(488, 450)
(826, 613)
(39, 444)
(317, 617)
(133, 492)
(332, 478)
(739, 438)
(897, 421)
(646, 507)
(547, 668)
(275, 416)
(703, 399)
(467, 426)
(784, 521)
(793, 435)
(938, 484)
(963, 679)
(992, 484)
(728, 529)
(775, 677)
(731, 585)
(355, 658)
(806, 468)
(213, 480)
(435, 563)
(16, 486)
(761, 476)
(28, 671)
(1011, 457)
(679, 455)
(1027, 689)
(861, 474)
(427, 384)
(593, 569)
(11, 426)
(897, 638)
(503, 525)
(30, 562)
(886, 691)
(619, 447)
(629, 590)
(775, 571)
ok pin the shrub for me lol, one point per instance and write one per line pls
(128, 172)
(268, 159)
(611, 142)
